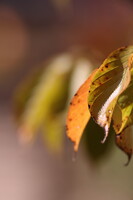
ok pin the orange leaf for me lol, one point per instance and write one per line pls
(78, 113)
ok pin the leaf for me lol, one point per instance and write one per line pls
(123, 114)
(41, 102)
(125, 142)
(53, 132)
(47, 99)
(24, 92)
(78, 113)
(123, 118)
(110, 80)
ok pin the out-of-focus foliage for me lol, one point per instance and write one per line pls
(41, 100)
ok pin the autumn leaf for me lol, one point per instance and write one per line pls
(78, 114)
(111, 79)
(123, 120)
(123, 115)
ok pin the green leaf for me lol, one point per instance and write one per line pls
(46, 101)
(24, 91)
(52, 132)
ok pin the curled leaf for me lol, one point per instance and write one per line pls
(110, 80)
(123, 119)
(123, 114)
(78, 114)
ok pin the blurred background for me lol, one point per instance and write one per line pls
(43, 42)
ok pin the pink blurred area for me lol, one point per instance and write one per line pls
(31, 32)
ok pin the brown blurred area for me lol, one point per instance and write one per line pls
(31, 32)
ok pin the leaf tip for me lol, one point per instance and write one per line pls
(25, 135)
(129, 159)
(74, 142)
(106, 132)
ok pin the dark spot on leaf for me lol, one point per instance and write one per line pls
(70, 119)
(67, 128)
(122, 48)
(118, 126)
(106, 66)
(72, 104)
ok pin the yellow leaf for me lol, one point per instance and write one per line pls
(110, 80)
(123, 114)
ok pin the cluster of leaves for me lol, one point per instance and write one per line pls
(106, 96)
(41, 100)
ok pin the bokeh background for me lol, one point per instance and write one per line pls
(31, 33)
